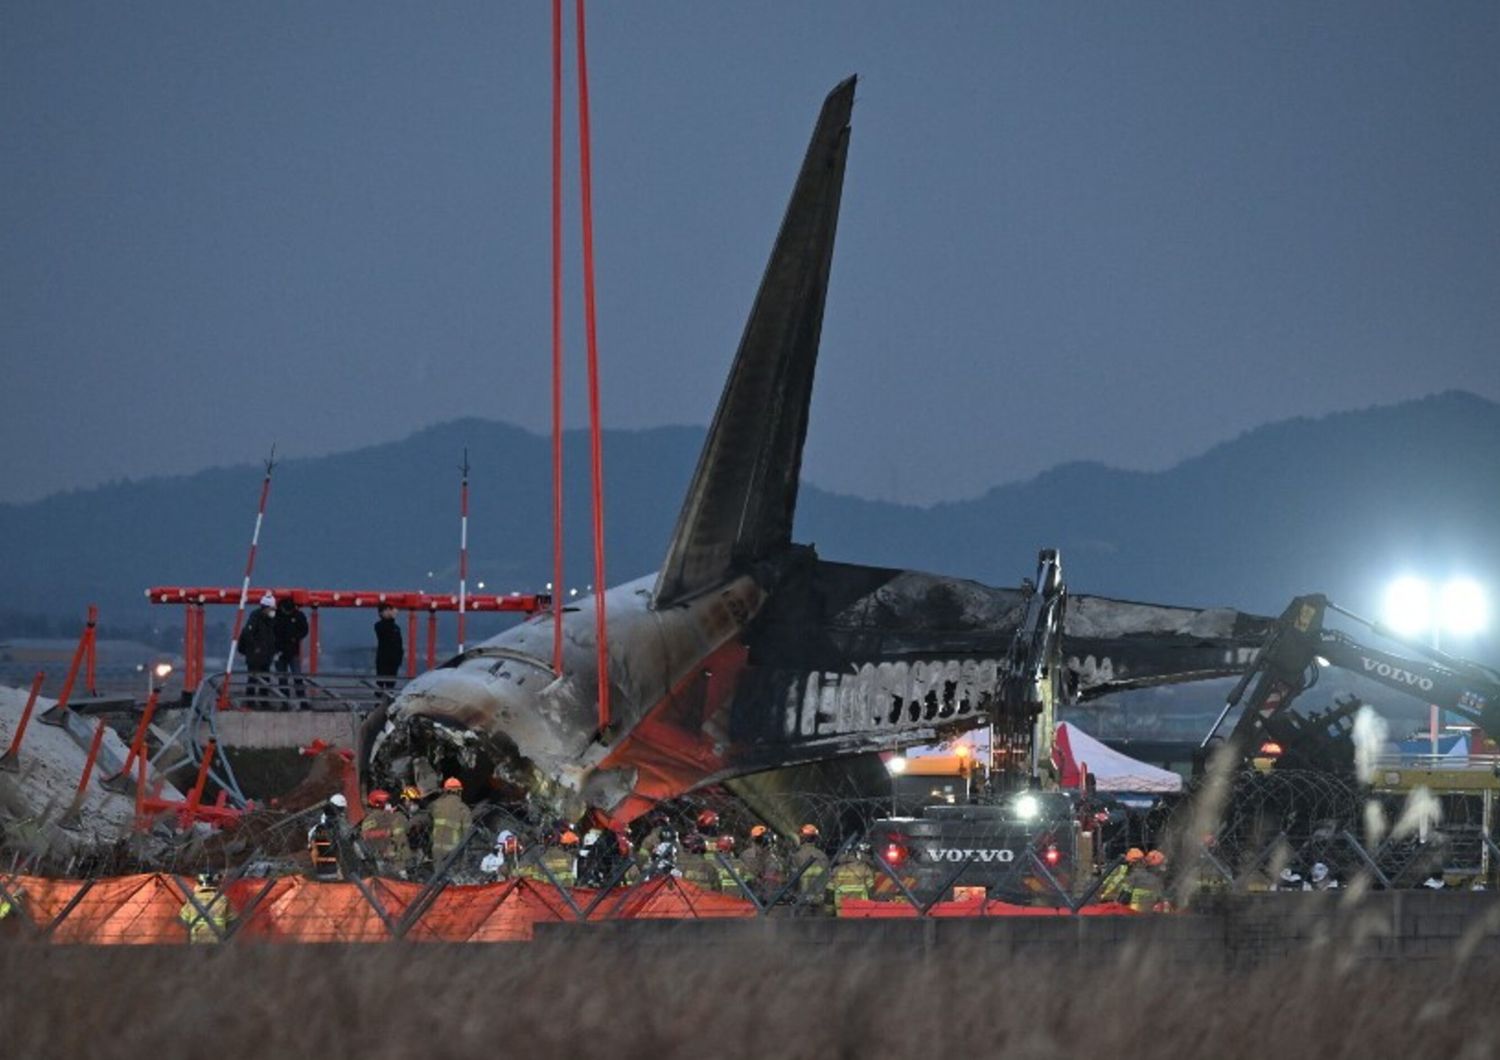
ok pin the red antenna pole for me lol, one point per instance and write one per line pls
(10, 760)
(557, 341)
(239, 615)
(591, 327)
(463, 550)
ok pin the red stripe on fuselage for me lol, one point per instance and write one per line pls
(672, 748)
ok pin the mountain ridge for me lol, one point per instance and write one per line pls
(1330, 503)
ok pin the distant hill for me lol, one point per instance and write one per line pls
(1338, 504)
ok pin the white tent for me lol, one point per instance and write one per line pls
(1075, 750)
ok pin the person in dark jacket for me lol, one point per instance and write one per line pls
(291, 629)
(257, 644)
(388, 648)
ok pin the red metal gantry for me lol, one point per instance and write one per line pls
(195, 598)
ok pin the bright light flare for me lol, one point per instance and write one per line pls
(1465, 610)
(896, 765)
(1408, 606)
(1027, 808)
(162, 669)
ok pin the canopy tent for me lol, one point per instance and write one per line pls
(1075, 750)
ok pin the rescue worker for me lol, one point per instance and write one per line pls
(812, 885)
(257, 643)
(650, 840)
(664, 855)
(1142, 884)
(1291, 880)
(762, 865)
(418, 827)
(852, 877)
(708, 827)
(727, 865)
(207, 916)
(383, 833)
(290, 625)
(502, 862)
(694, 865)
(1156, 867)
(325, 840)
(591, 860)
(10, 924)
(450, 820)
(561, 859)
(601, 856)
(389, 649)
(1114, 887)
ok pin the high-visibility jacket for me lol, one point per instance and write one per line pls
(322, 846)
(207, 928)
(1114, 883)
(560, 862)
(384, 834)
(727, 883)
(697, 870)
(850, 878)
(450, 821)
(1145, 888)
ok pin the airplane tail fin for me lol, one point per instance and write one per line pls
(739, 508)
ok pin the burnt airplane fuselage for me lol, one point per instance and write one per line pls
(746, 653)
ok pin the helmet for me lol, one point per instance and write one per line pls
(569, 838)
(758, 832)
(338, 802)
(591, 837)
(1134, 856)
(453, 784)
(725, 844)
(708, 819)
(808, 831)
(411, 793)
(1156, 859)
(379, 797)
(506, 840)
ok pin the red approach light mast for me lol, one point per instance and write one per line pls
(463, 550)
(239, 615)
(591, 327)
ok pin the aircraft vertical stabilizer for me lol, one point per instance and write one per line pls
(740, 506)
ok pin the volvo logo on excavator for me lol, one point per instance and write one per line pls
(956, 854)
(1396, 673)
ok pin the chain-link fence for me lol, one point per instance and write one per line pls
(709, 855)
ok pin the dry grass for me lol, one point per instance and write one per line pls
(591, 997)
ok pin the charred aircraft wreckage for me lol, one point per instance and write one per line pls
(748, 660)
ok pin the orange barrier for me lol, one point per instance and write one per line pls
(146, 909)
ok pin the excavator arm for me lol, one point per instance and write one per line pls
(1299, 645)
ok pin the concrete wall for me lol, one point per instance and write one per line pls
(1244, 933)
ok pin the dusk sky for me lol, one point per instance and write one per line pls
(1113, 232)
